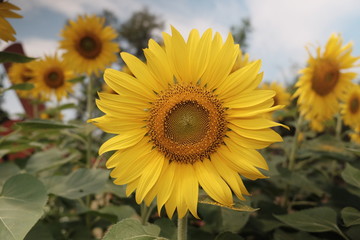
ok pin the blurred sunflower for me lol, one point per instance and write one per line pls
(282, 97)
(89, 44)
(323, 82)
(351, 107)
(7, 32)
(355, 135)
(21, 73)
(241, 61)
(51, 76)
(185, 120)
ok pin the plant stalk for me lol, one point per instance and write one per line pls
(182, 228)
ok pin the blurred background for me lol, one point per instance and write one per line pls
(275, 31)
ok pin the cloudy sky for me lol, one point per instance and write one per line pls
(281, 28)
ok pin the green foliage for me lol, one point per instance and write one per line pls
(132, 229)
(14, 58)
(22, 200)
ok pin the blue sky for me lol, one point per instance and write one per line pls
(282, 28)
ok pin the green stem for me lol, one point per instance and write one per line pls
(89, 110)
(294, 145)
(182, 228)
(35, 106)
(338, 127)
(145, 212)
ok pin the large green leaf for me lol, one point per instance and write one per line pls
(14, 57)
(168, 228)
(320, 219)
(351, 175)
(7, 170)
(350, 216)
(43, 125)
(22, 200)
(132, 229)
(78, 184)
(50, 158)
(228, 236)
(121, 212)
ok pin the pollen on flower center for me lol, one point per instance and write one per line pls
(54, 78)
(326, 76)
(89, 47)
(187, 123)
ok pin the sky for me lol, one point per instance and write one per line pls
(281, 28)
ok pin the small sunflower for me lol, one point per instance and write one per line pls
(351, 107)
(282, 97)
(7, 32)
(89, 44)
(325, 80)
(51, 76)
(184, 120)
(355, 135)
(22, 73)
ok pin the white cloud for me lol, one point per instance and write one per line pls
(38, 47)
(282, 28)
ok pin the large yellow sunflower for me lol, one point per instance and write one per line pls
(184, 121)
(89, 44)
(351, 107)
(21, 73)
(325, 80)
(51, 77)
(7, 32)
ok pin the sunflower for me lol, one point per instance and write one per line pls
(324, 82)
(7, 32)
(51, 76)
(21, 73)
(107, 89)
(282, 97)
(184, 120)
(355, 135)
(89, 44)
(351, 107)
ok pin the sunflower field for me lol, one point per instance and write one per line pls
(177, 139)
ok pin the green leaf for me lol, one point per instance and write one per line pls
(121, 212)
(7, 170)
(320, 219)
(22, 200)
(168, 228)
(281, 235)
(351, 175)
(44, 125)
(78, 184)
(350, 216)
(228, 236)
(238, 206)
(22, 86)
(14, 58)
(132, 229)
(233, 221)
(50, 158)
(77, 79)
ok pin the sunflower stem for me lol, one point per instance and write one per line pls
(182, 228)
(35, 108)
(294, 145)
(145, 212)
(89, 109)
(338, 127)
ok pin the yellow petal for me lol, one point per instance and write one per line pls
(212, 183)
(122, 141)
(265, 135)
(130, 188)
(117, 125)
(166, 186)
(250, 99)
(150, 175)
(255, 123)
(190, 187)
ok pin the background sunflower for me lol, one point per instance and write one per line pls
(88, 44)
(7, 32)
(324, 81)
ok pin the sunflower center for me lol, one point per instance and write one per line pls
(325, 77)
(89, 46)
(187, 123)
(354, 105)
(54, 78)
